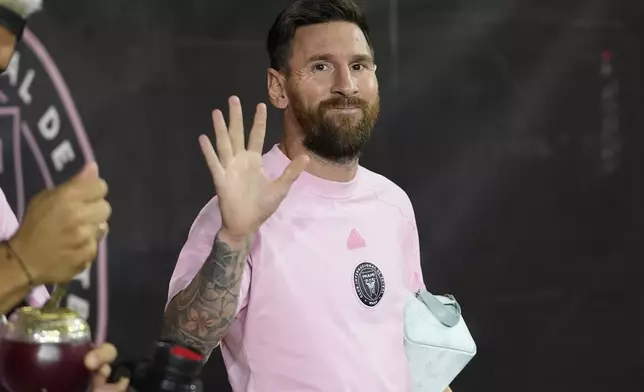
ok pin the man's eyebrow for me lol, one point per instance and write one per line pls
(328, 57)
(320, 57)
(362, 58)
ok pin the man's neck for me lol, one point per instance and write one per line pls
(320, 167)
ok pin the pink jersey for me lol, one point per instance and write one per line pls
(321, 304)
(8, 226)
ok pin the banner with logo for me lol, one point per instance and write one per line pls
(42, 144)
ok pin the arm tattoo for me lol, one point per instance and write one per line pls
(199, 315)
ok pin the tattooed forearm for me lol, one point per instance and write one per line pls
(200, 315)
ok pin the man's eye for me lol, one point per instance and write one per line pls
(363, 67)
(320, 67)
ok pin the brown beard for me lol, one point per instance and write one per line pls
(338, 139)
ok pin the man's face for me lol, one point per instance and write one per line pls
(332, 89)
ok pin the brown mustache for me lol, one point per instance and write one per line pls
(342, 102)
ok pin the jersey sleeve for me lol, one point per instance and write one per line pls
(197, 248)
(414, 280)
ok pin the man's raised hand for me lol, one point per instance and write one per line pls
(247, 197)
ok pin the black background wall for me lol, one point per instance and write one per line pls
(515, 127)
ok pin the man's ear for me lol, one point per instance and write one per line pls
(276, 85)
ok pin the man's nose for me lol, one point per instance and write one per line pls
(345, 83)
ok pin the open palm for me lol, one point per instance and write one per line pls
(247, 198)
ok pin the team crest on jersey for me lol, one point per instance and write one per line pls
(369, 283)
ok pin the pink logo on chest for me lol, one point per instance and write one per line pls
(355, 240)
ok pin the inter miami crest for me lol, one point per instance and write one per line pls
(369, 283)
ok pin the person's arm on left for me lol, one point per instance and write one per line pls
(13, 285)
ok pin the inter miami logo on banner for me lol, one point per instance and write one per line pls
(369, 283)
(42, 144)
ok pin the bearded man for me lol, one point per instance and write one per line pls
(301, 264)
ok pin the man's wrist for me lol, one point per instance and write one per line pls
(12, 267)
(233, 241)
(19, 256)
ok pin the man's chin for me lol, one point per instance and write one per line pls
(348, 112)
(345, 122)
(345, 111)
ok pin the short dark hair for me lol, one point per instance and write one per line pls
(309, 12)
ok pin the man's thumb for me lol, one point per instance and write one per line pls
(293, 171)
(89, 171)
